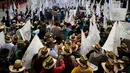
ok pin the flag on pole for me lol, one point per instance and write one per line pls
(14, 6)
(52, 21)
(25, 31)
(2, 38)
(11, 14)
(113, 40)
(33, 48)
(104, 22)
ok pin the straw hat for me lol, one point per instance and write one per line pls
(74, 47)
(2, 27)
(109, 66)
(49, 63)
(124, 59)
(17, 67)
(123, 45)
(8, 38)
(66, 49)
(111, 55)
(44, 52)
(97, 46)
(83, 61)
(21, 43)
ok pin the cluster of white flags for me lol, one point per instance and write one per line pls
(33, 48)
(25, 31)
(2, 38)
(91, 39)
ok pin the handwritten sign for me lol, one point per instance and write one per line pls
(117, 14)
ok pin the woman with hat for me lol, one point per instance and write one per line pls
(49, 66)
(39, 58)
(17, 67)
(83, 66)
(68, 58)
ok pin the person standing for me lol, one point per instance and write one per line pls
(3, 7)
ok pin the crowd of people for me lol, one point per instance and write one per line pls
(62, 43)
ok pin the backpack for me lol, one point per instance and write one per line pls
(68, 64)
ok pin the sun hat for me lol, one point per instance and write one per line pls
(49, 63)
(44, 52)
(17, 67)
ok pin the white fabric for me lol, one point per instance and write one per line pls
(11, 14)
(104, 22)
(98, 12)
(25, 31)
(117, 14)
(2, 38)
(124, 30)
(33, 48)
(14, 6)
(113, 40)
(92, 38)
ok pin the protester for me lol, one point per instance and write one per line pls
(17, 67)
(8, 44)
(83, 66)
(49, 66)
(38, 59)
(65, 36)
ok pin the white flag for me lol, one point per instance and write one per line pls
(14, 6)
(2, 38)
(11, 14)
(98, 12)
(104, 22)
(33, 48)
(25, 31)
(124, 30)
(113, 40)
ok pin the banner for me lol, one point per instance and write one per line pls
(116, 4)
(113, 40)
(124, 30)
(2, 38)
(33, 48)
(25, 31)
(117, 14)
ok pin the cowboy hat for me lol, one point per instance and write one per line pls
(21, 43)
(66, 49)
(8, 38)
(96, 46)
(124, 59)
(83, 61)
(2, 27)
(49, 63)
(74, 47)
(109, 66)
(111, 55)
(17, 67)
(44, 52)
